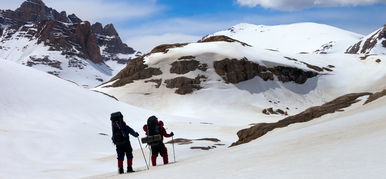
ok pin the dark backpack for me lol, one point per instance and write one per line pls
(153, 132)
(120, 136)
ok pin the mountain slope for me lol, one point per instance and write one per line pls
(341, 145)
(51, 128)
(38, 36)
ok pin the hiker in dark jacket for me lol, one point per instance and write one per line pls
(121, 140)
(155, 127)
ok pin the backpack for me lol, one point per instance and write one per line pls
(120, 136)
(153, 127)
(153, 132)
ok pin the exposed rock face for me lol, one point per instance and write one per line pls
(376, 96)
(88, 42)
(369, 44)
(259, 130)
(61, 37)
(222, 38)
(165, 47)
(270, 111)
(35, 11)
(236, 71)
(74, 19)
(136, 69)
(107, 36)
(44, 61)
(185, 85)
(183, 67)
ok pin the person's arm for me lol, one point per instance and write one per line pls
(164, 133)
(131, 131)
(145, 129)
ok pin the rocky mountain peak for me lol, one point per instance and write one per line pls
(109, 30)
(33, 10)
(69, 47)
(37, 2)
(97, 28)
(74, 19)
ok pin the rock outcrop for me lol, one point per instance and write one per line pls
(259, 130)
(136, 69)
(165, 47)
(221, 38)
(185, 85)
(367, 45)
(235, 71)
(183, 67)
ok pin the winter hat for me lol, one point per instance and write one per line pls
(153, 118)
(116, 116)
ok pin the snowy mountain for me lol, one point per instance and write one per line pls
(261, 84)
(66, 46)
(375, 43)
(287, 110)
(293, 38)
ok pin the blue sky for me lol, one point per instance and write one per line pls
(146, 23)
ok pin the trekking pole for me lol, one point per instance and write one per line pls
(174, 152)
(149, 155)
(143, 153)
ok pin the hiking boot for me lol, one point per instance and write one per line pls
(130, 169)
(120, 171)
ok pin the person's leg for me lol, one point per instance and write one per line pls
(164, 153)
(129, 156)
(120, 158)
(154, 154)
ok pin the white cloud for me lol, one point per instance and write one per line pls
(98, 10)
(146, 43)
(302, 4)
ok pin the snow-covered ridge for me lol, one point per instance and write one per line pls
(374, 43)
(292, 38)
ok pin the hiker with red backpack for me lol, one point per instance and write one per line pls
(121, 140)
(154, 129)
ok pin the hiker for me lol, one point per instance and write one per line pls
(152, 128)
(121, 140)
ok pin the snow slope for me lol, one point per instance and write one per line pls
(51, 128)
(293, 38)
(342, 145)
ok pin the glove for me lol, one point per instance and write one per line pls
(172, 134)
(136, 134)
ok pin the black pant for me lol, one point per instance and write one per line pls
(159, 149)
(124, 149)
